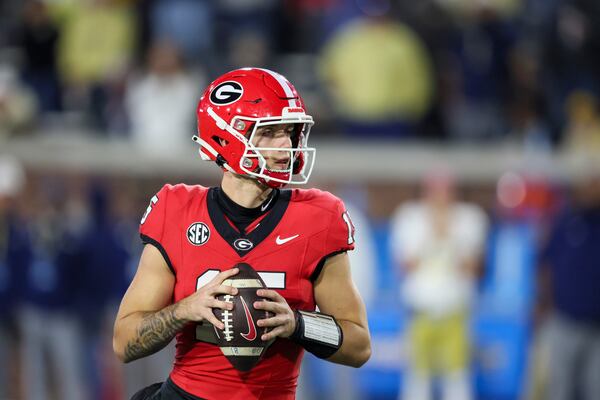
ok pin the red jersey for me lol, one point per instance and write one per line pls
(288, 247)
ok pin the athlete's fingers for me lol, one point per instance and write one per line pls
(225, 289)
(270, 294)
(271, 322)
(217, 281)
(223, 305)
(276, 308)
(221, 276)
(279, 331)
(210, 317)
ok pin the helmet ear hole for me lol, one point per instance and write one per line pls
(249, 131)
(220, 140)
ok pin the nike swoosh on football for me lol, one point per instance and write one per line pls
(251, 335)
(280, 241)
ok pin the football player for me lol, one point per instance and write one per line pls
(253, 124)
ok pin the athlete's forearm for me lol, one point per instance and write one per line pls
(356, 347)
(145, 333)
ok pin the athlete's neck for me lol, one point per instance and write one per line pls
(245, 192)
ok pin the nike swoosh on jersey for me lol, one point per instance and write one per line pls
(251, 335)
(266, 205)
(281, 241)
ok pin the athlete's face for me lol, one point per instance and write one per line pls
(277, 137)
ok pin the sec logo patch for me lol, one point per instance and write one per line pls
(198, 233)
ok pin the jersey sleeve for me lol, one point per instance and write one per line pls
(153, 227)
(340, 235)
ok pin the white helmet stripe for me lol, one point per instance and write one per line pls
(285, 85)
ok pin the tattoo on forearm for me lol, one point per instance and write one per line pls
(155, 331)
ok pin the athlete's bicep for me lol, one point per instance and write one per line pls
(152, 286)
(336, 294)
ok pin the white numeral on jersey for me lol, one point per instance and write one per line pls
(273, 280)
(348, 221)
(153, 201)
(206, 277)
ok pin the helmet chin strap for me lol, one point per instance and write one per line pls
(259, 180)
(211, 150)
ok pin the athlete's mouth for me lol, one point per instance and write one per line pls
(279, 165)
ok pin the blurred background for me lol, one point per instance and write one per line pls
(463, 135)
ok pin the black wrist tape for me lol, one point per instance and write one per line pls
(319, 334)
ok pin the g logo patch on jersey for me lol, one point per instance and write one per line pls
(243, 244)
(198, 233)
(226, 93)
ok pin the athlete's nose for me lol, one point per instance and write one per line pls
(284, 141)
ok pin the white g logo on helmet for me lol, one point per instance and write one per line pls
(226, 93)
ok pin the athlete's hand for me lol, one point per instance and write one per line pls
(283, 322)
(198, 306)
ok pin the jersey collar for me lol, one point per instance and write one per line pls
(240, 242)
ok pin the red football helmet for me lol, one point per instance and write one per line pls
(231, 110)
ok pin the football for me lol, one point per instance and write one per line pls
(240, 340)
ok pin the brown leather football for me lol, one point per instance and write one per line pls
(240, 340)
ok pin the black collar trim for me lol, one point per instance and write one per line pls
(240, 242)
(241, 216)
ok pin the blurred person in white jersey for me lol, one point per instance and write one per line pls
(438, 242)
